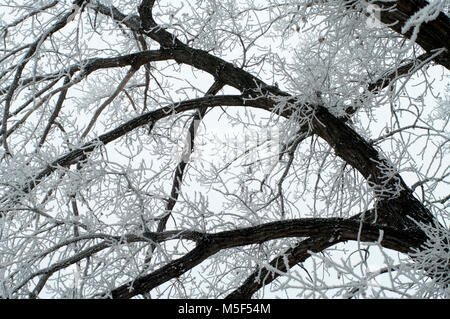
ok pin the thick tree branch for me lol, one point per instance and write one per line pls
(431, 36)
(220, 69)
(145, 12)
(394, 196)
(335, 228)
(294, 255)
(291, 257)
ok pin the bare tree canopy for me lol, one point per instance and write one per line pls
(224, 149)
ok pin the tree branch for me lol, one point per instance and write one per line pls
(108, 101)
(145, 12)
(149, 117)
(338, 228)
(61, 23)
(109, 241)
(90, 65)
(431, 35)
(179, 170)
(295, 255)
(394, 196)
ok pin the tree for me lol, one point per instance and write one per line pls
(224, 149)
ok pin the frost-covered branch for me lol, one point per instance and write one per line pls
(150, 117)
(212, 243)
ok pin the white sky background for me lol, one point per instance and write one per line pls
(219, 128)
